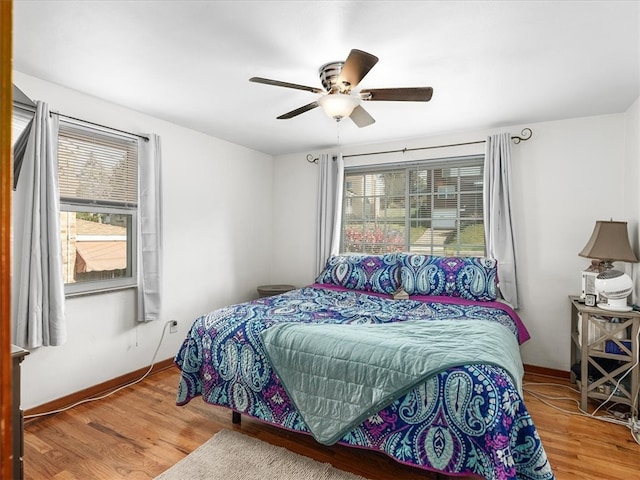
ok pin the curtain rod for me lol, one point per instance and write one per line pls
(31, 109)
(525, 135)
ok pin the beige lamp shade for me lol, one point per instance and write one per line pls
(609, 242)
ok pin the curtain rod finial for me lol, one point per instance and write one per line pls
(310, 159)
(526, 134)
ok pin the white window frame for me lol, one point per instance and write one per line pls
(97, 286)
(456, 167)
(104, 207)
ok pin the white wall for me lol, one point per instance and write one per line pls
(569, 175)
(217, 200)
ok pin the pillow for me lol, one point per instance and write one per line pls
(471, 278)
(372, 273)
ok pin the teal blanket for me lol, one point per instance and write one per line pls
(339, 375)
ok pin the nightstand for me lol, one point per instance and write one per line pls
(271, 290)
(605, 345)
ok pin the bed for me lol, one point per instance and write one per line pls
(432, 380)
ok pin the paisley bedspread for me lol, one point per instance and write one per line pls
(469, 419)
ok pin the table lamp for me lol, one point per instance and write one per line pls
(609, 243)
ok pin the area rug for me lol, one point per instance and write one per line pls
(230, 455)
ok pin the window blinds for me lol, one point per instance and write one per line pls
(96, 167)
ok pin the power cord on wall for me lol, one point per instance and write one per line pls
(633, 423)
(100, 397)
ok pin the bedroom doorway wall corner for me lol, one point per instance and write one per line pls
(6, 89)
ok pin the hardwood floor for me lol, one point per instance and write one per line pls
(139, 432)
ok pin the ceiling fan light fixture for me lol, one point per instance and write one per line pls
(338, 105)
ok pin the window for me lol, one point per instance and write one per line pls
(430, 207)
(98, 182)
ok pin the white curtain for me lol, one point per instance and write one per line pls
(149, 230)
(497, 213)
(37, 296)
(329, 208)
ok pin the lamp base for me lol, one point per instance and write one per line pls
(615, 308)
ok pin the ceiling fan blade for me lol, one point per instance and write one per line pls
(417, 94)
(361, 117)
(298, 111)
(355, 67)
(278, 83)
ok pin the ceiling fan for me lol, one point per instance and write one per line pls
(339, 99)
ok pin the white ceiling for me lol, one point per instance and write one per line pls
(491, 64)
